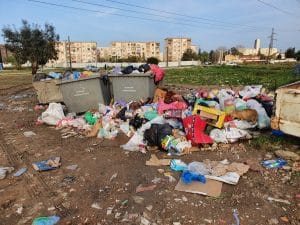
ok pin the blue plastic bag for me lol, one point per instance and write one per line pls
(187, 177)
(50, 220)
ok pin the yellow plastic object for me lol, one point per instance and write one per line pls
(213, 117)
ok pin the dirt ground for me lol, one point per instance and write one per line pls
(102, 190)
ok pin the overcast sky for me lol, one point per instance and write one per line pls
(210, 23)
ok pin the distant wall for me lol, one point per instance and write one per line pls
(124, 64)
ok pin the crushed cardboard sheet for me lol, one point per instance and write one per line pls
(211, 188)
(154, 161)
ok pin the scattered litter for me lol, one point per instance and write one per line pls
(29, 134)
(140, 188)
(210, 188)
(154, 161)
(20, 172)
(287, 155)
(50, 220)
(138, 199)
(187, 177)
(178, 165)
(4, 171)
(49, 164)
(278, 200)
(109, 210)
(72, 167)
(113, 176)
(274, 164)
(236, 217)
(96, 205)
(149, 207)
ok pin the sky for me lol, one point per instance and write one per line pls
(210, 23)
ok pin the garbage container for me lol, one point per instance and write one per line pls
(48, 91)
(85, 94)
(132, 87)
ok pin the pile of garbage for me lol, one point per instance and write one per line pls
(68, 75)
(171, 122)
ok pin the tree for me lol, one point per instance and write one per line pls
(31, 43)
(204, 56)
(189, 55)
(297, 55)
(213, 56)
(152, 60)
(234, 51)
(290, 53)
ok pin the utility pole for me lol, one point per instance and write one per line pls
(70, 58)
(1, 61)
(272, 39)
(167, 56)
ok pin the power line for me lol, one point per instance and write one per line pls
(115, 14)
(177, 14)
(145, 13)
(275, 7)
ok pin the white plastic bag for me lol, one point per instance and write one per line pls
(250, 91)
(233, 134)
(53, 114)
(263, 119)
(198, 168)
(218, 136)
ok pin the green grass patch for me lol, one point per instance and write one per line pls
(270, 76)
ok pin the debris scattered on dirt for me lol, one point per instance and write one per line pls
(278, 200)
(29, 134)
(288, 155)
(141, 188)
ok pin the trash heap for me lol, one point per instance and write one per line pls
(176, 124)
(171, 122)
(68, 75)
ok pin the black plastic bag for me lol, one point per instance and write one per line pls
(156, 133)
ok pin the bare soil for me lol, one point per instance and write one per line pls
(70, 194)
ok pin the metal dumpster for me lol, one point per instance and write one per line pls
(48, 91)
(132, 87)
(85, 94)
(287, 109)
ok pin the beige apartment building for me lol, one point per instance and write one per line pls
(104, 53)
(142, 50)
(81, 52)
(175, 47)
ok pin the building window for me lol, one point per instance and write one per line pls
(88, 49)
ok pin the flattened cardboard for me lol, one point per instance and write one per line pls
(210, 188)
(154, 161)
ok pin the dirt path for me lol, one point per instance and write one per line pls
(91, 195)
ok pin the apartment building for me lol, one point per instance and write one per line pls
(143, 50)
(81, 52)
(104, 53)
(175, 47)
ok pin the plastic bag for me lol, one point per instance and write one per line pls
(178, 165)
(156, 134)
(135, 143)
(187, 177)
(240, 104)
(53, 114)
(198, 168)
(263, 119)
(250, 91)
(218, 136)
(233, 134)
(240, 124)
(224, 95)
(50, 220)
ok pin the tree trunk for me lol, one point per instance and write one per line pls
(34, 67)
